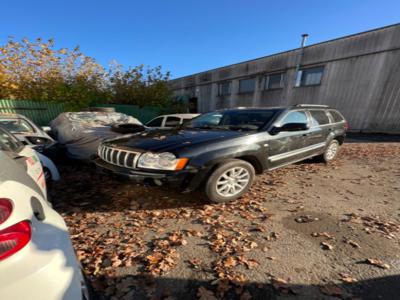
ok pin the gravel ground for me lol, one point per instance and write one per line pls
(307, 231)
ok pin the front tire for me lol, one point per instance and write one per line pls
(229, 181)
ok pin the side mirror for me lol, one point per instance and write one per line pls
(46, 129)
(290, 127)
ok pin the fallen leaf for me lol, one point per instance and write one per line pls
(377, 263)
(205, 294)
(326, 246)
(347, 278)
(331, 290)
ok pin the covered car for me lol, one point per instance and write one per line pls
(27, 131)
(81, 132)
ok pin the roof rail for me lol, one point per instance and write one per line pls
(311, 105)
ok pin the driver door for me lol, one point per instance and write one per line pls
(286, 147)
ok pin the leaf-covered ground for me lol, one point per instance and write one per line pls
(307, 231)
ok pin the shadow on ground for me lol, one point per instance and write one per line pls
(148, 287)
(372, 138)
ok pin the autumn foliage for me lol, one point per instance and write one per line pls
(40, 71)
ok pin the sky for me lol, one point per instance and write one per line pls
(185, 36)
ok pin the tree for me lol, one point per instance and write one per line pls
(38, 71)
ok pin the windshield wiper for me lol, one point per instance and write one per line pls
(243, 127)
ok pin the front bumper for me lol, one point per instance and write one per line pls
(179, 179)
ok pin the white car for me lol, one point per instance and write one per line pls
(37, 260)
(8, 141)
(169, 121)
(27, 131)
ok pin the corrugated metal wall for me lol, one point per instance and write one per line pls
(39, 112)
(361, 78)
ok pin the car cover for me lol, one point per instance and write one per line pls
(81, 132)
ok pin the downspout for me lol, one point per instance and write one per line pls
(304, 37)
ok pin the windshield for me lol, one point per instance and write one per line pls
(233, 119)
(16, 125)
(8, 142)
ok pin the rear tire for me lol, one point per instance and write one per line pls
(229, 181)
(331, 151)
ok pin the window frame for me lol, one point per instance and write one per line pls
(319, 125)
(220, 94)
(333, 121)
(278, 123)
(162, 121)
(179, 119)
(299, 81)
(267, 78)
(248, 78)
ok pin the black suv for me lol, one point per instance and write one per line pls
(222, 151)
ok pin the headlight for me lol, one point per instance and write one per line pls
(38, 140)
(161, 161)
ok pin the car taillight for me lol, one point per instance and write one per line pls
(14, 238)
(346, 126)
(5, 209)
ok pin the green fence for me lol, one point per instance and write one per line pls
(43, 112)
(39, 112)
(144, 114)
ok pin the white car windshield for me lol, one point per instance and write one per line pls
(17, 125)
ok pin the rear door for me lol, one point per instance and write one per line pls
(287, 147)
(319, 130)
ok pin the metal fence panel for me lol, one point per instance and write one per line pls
(39, 112)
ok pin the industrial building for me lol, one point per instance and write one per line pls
(357, 74)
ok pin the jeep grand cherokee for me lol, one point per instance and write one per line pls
(221, 151)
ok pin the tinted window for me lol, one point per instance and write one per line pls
(247, 85)
(274, 81)
(234, 119)
(295, 117)
(224, 88)
(319, 117)
(172, 121)
(155, 122)
(337, 117)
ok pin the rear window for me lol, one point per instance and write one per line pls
(172, 121)
(319, 117)
(336, 116)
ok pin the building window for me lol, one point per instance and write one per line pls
(274, 81)
(247, 85)
(310, 76)
(224, 88)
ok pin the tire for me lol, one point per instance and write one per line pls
(330, 152)
(229, 181)
(127, 128)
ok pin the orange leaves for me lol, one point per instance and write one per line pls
(161, 262)
(377, 263)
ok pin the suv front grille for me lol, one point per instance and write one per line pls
(119, 157)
